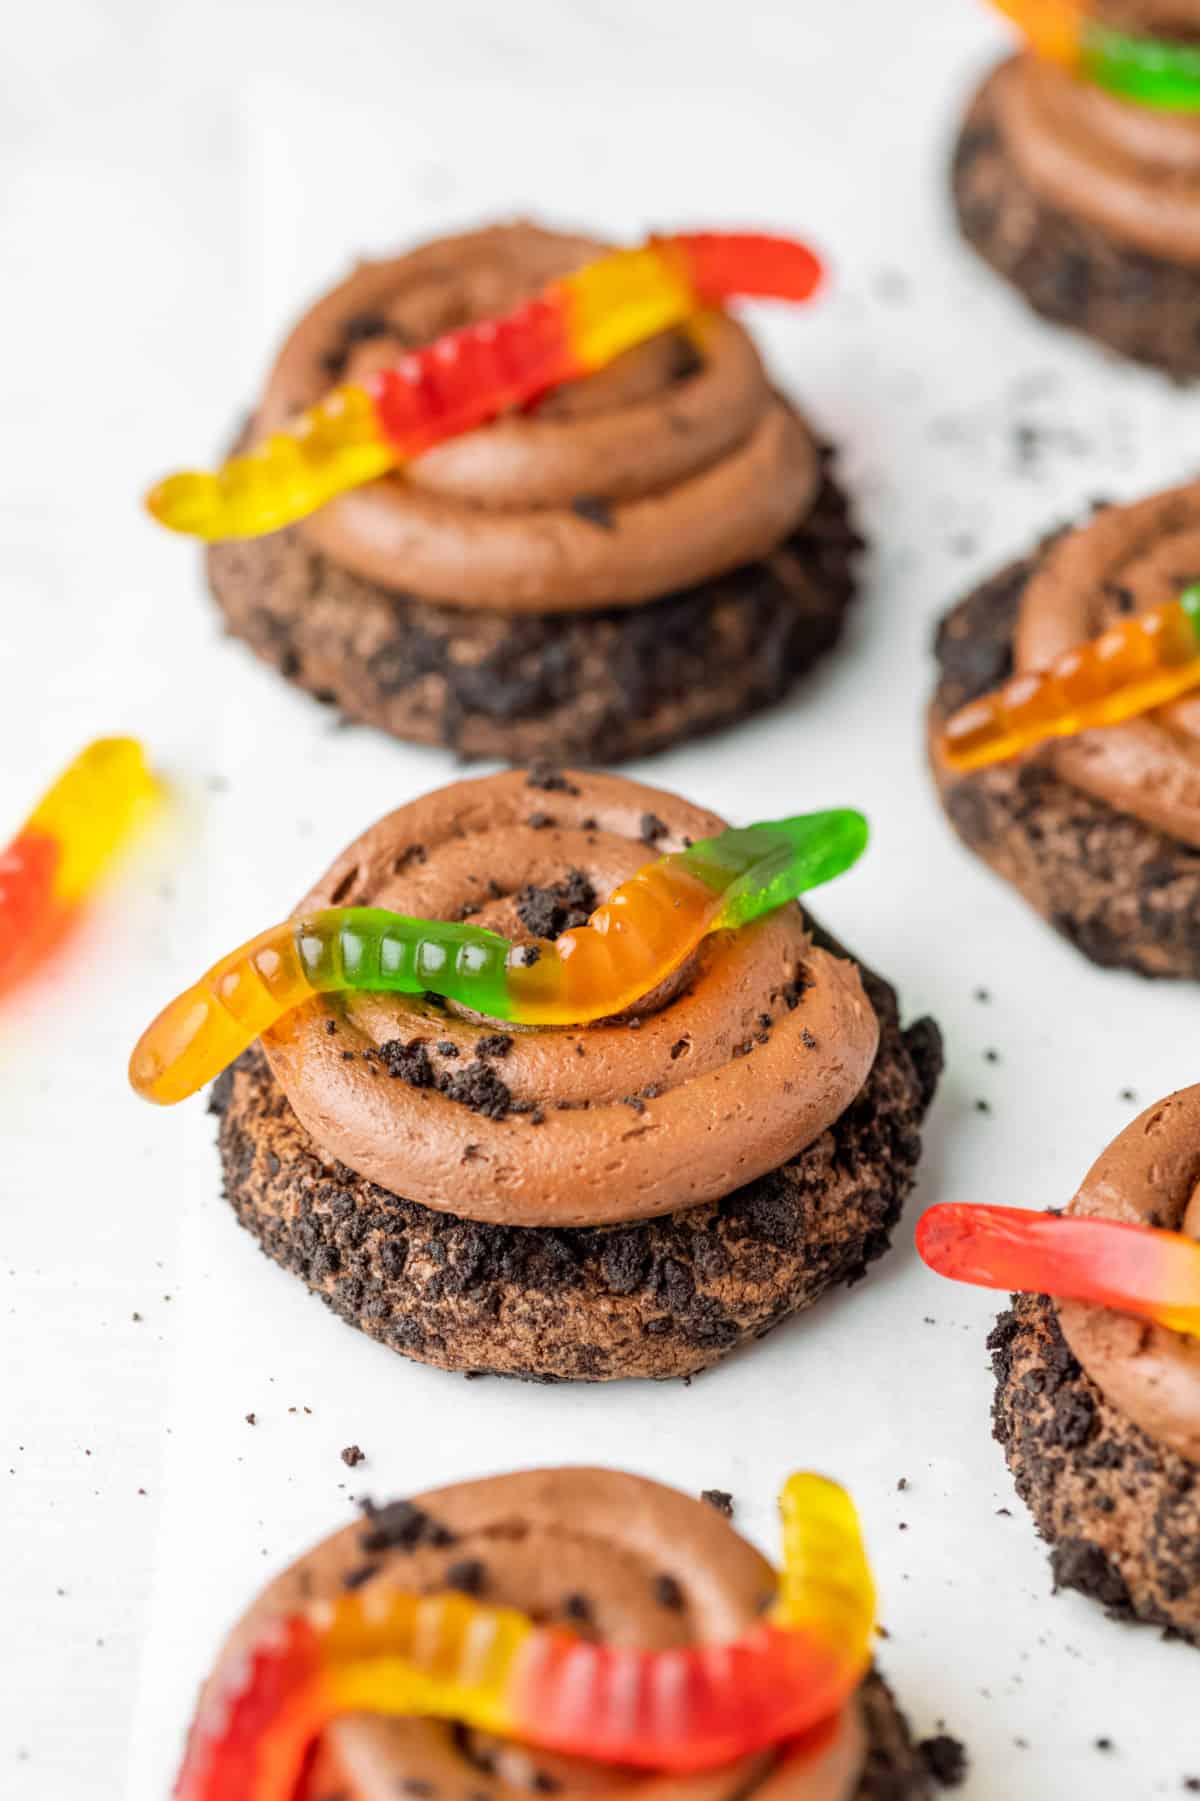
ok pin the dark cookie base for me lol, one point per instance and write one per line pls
(1070, 271)
(1121, 1512)
(895, 1769)
(662, 1297)
(590, 687)
(1125, 894)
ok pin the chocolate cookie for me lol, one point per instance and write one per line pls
(1046, 180)
(1125, 891)
(597, 1553)
(660, 1297)
(632, 1198)
(595, 687)
(646, 554)
(1120, 1511)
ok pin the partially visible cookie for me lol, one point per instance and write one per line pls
(1110, 877)
(1120, 1511)
(1032, 143)
(607, 1557)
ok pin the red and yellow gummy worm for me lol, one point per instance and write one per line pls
(64, 847)
(461, 380)
(446, 1656)
(1139, 1270)
(1140, 663)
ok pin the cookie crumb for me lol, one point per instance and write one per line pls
(479, 1088)
(556, 907)
(402, 1526)
(719, 1498)
(355, 1578)
(668, 1593)
(551, 780)
(469, 1576)
(352, 1456)
(595, 510)
(945, 1758)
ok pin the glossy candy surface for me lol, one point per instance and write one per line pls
(1150, 71)
(64, 847)
(1140, 663)
(445, 1656)
(1140, 1270)
(462, 380)
(631, 943)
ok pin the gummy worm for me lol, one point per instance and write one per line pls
(446, 1656)
(1150, 71)
(1140, 1270)
(1138, 664)
(63, 848)
(461, 380)
(631, 943)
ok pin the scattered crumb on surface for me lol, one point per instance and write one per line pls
(719, 1498)
(945, 1758)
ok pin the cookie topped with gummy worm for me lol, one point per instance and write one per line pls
(1077, 172)
(560, 1630)
(556, 1079)
(1065, 731)
(1098, 1363)
(529, 497)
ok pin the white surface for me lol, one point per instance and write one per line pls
(179, 179)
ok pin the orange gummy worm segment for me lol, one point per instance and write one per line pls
(1054, 28)
(630, 944)
(1139, 664)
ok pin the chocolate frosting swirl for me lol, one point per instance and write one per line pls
(1149, 1175)
(612, 1555)
(673, 465)
(1124, 559)
(757, 1046)
(1132, 171)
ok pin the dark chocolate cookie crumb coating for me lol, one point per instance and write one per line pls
(1124, 893)
(663, 1297)
(1069, 270)
(591, 687)
(895, 1769)
(1121, 1513)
